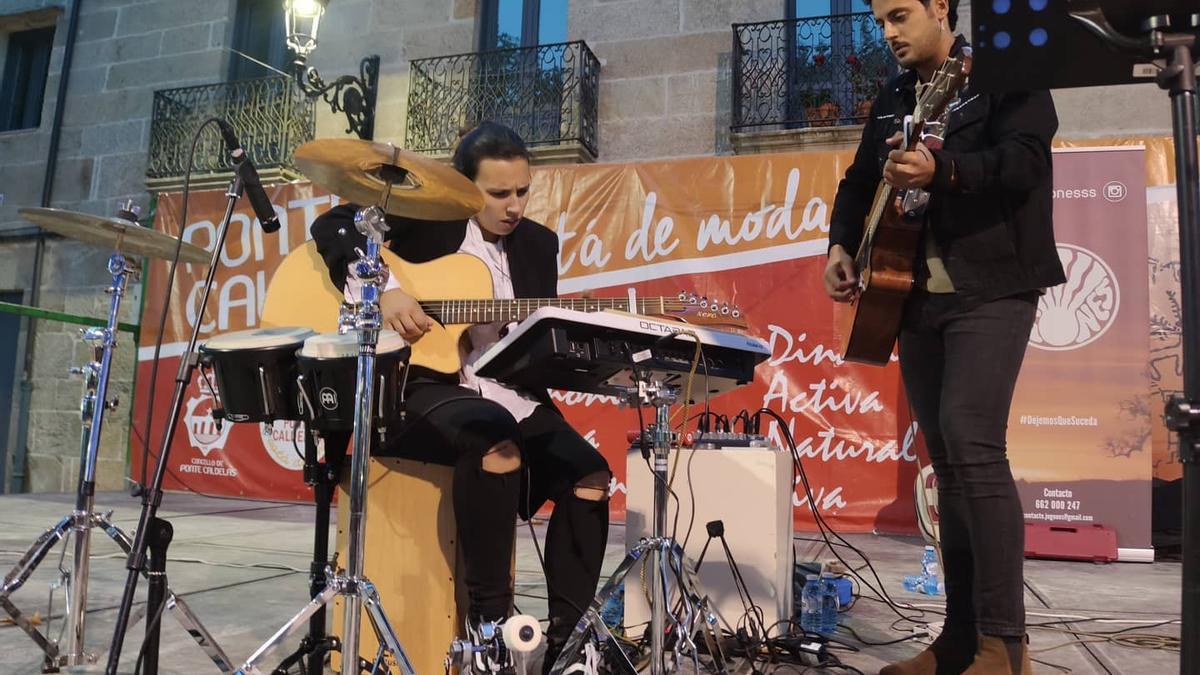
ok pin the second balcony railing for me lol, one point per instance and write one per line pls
(272, 118)
(548, 94)
(813, 72)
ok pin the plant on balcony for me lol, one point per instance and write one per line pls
(869, 68)
(815, 78)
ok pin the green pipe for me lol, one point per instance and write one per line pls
(38, 313)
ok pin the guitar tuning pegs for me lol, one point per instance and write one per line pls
(704, 303)
(682, 296)
(691, 298)
(725, 310)
(737, 312)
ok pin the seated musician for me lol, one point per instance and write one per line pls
(510, 448)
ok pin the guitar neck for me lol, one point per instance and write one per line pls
(490, 311)
(883, 195)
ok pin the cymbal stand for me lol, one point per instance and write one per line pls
(670, 630)
(77, 526)
(352, 584)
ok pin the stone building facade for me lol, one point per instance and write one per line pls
(665, 90)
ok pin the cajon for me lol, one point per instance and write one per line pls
(411, 557)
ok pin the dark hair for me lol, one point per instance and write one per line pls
(952, 16)
(489, 140)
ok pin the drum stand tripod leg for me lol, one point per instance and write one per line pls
(323, 476)
(334, 586)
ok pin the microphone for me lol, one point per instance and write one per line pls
(250, 181)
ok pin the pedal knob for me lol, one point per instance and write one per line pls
(522, 633)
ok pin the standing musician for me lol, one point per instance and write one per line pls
(510, 448)
(988, 248)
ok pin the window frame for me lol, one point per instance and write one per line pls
(239, 67)
(26, 70)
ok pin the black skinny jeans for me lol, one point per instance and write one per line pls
(960, 367)
(452, 425)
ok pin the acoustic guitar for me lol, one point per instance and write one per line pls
(892, 231)
(455, 291)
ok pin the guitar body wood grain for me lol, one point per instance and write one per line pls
(301, 294)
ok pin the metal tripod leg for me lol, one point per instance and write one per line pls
(334, 586)
(591, 617)
(20, 573)
(175, 604)
(384, 632)
(53, 659)
(33, 557)
(361, 592)
(693, 606)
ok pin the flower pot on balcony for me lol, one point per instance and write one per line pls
(862, 110)
(823, 115)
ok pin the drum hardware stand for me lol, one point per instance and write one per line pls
(665, 559)
(84, 518)
(351, 584)
(323, 477)
(149, 526)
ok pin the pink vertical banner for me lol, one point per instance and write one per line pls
(1079, 431)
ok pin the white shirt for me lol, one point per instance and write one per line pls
(479, 336)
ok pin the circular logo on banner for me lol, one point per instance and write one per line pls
(284, 442)
(1115, 191)
(201, 428)
(1078, 312)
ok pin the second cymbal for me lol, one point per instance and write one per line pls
(358, 171)
(115, 234)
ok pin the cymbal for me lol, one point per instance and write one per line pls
(114, 234)
(357, 171)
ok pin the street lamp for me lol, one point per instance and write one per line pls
(354, 96)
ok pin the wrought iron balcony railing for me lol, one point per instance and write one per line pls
(272, 118)
(815, 72)
(548, 94)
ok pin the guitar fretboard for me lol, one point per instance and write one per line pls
(489, 311)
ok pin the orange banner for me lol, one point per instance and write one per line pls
(747, 230)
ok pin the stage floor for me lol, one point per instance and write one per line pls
(242, 567)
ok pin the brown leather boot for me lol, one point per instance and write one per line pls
(948, 655)
(996, 658)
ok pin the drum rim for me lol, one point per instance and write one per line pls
(332, 336)
(378, 354)
(290, 344)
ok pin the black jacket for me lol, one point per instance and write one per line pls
(994, 226)
(532, 249)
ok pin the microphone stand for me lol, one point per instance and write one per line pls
(1179, 47)
(152, 496)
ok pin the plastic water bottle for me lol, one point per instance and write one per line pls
(613, 611)
(914, 583)
(931, 583)
(810, 604)
(829, 603)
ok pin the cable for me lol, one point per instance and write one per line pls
(162, 319)
(824, 528)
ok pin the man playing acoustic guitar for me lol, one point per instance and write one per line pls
(988, 247)
(510, 448)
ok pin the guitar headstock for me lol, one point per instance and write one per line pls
(934, 96)
(703, 311)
